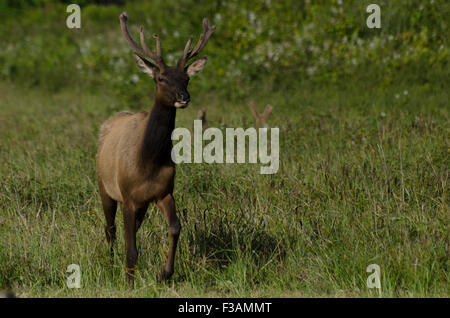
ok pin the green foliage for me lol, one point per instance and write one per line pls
(279, 44)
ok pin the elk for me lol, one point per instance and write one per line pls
(260, 119)
(201, 115)
(134, 164)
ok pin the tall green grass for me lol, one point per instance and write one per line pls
(363, 180)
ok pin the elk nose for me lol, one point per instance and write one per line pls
(184, 97)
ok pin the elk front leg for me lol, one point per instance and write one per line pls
(129, 220)
(167, 207)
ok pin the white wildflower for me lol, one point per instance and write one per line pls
(134, 78)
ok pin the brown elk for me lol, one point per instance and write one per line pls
(260, 119)
(134, 164)
(201, 115)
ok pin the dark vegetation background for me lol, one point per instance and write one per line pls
(363, 118)
(278, 45)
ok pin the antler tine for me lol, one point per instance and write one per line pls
(144, 50)
(267, 111)
(254, 110)
(207, 32)
(147, 51)
(158, 45)
(204, 37)
(187, 49)
(124, 26)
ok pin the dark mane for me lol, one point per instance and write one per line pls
(157, 142)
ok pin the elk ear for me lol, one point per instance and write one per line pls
(196, 67)
(146, 66)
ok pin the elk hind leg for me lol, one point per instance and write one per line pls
(129, 220)
(109, 209)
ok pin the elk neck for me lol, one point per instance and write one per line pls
(157, 142)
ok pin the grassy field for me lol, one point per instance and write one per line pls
(363, 179)
(364, 149)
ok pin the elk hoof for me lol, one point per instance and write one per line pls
(130, 280)
(164, 275)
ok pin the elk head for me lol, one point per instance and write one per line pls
(171, 81)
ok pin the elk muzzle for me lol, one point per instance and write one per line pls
(183, 100)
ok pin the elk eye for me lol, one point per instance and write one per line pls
(160, 79)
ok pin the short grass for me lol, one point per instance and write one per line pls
(363, 180)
